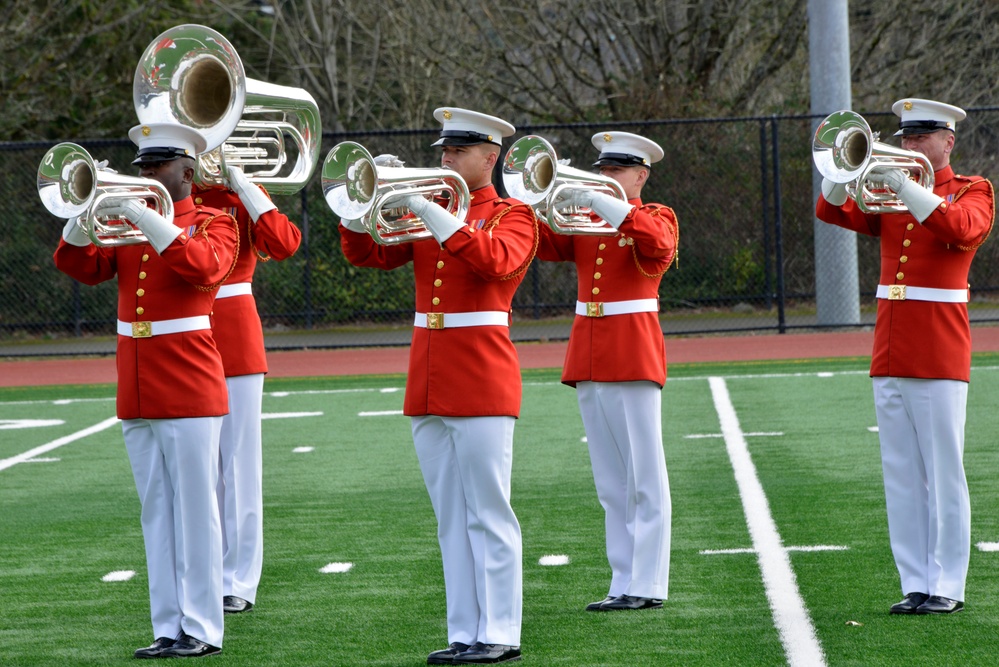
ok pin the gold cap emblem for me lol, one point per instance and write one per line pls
(607, 138)
(446, 114)
(907, 106)
(489, 137)
(145, 130)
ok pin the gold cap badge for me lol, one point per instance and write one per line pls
(907, 106)
(607, 138)
(447, 115)
(145, 130)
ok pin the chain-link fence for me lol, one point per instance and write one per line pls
(741, 188)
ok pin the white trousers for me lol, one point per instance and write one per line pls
(240, 488)
(921, 428)
(623, 422)
(175, 466)
(466, 464)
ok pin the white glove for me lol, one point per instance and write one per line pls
(158, 231)
(253, 198)
(386, 160)
(441, 224)
(354, 225)
(834, 193)
(920, 201)
(574, 198)
(611, 209)
(73, 234)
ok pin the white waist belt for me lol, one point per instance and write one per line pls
(908, 292)
(150, 329)
(600, 309)
(496, 318)
(236, 289)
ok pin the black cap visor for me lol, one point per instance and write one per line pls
(159, 154)
(620, 160)
(921, 127)
(463, 138)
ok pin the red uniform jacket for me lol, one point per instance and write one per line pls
(924, 339)
(630, 265)
(469, 371)
(174, 375)
(236, 325)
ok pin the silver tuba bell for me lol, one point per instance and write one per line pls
(846, 151)
(70, 184)
(191, 75)
(356, 188)
(532, 174)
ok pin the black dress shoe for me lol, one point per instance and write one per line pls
(189, 647)
(154, 649)
(909, 603)
(482, 654)
(937, 604)
(626, 602)
(446, 656)
(234, 605)
(599, 604)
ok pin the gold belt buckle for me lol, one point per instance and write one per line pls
(142, 329)
(896, 292)
(594, 309)
(435, 320)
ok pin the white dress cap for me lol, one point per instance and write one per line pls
(923, 116)
(159, 142)
(465, 128)
(625, 150)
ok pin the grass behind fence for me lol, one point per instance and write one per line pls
(358, 498)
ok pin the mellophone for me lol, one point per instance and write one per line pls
(845, 150)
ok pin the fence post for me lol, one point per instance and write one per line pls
(778, 228)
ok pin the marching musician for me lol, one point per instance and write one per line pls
(171, 387)
(463, 390)
(264, 234)
(921, 361)
(616, 360)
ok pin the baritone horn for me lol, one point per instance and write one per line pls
(846, 151)
(71, 184)
(532, 174)
(356, 188)
(191, 75)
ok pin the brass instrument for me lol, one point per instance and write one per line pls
(70, 184)
(356, 188)
(845, 150)
(532, 174)
(191, 75)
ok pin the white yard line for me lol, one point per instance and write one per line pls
(55, 444)
(790, 616)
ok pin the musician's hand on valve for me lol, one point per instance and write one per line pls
(834, 193)
(158, 230)
(441, 224)
(894, 179)
(611, 209)
(387, 160)
(574, 198)
(920, 201)
(73, 234)
(254, 200)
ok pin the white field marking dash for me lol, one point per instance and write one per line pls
(817, 547)
(336, 568)
(987, 546)
(794, 625)
(553, 560)
(302, 450)
(6, 424)
(758, 434)
(289, 415)
(380, 413)
(58, 442)
(118, 575)
(872, 429)
(43, 459)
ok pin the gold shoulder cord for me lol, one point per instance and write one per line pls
(203, 229)
(537, 237)
(261, 256)
(674, 229)
(992, 219)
